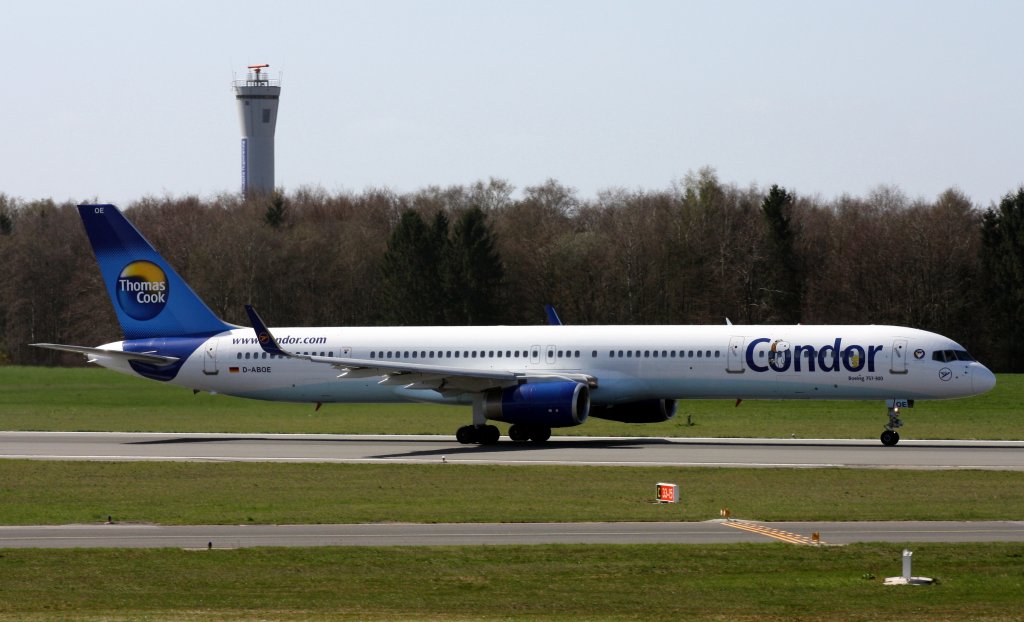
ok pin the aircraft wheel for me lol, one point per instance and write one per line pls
(519, 433)
(489, 435)
(890, 438)
(466, 435)
(540, 434)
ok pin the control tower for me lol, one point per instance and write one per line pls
(257, 96)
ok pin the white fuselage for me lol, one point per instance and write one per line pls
(629, 363)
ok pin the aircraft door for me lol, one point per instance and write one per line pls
(735, 355)
(535, 355)
(549, 355)
(210, 357)
(898, 362)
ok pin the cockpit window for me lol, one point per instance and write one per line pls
(947, 356)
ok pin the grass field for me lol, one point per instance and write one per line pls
(91, 399)
(44, 492)
(568, 582)
(725, 582)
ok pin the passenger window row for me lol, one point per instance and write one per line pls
(508, 354)
(665, 354)
(513, 354)
(466, 354)
(265, 355)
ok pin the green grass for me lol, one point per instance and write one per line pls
(558, 582)
(90, 399)
(44, 492)
(725, 582)
(730, 582)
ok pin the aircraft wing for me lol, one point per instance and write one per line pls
(442, 378)
(93, 353)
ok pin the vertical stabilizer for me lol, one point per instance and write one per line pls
(149, 297)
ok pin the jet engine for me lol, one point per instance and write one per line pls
(548, 404)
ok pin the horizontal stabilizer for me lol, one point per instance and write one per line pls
(93, 353)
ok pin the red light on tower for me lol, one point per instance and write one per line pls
(258, 68)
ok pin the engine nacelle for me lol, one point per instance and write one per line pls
(646, 411)
(550, 404)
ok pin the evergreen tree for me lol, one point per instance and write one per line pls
(476, 270)
(274, 216)
(783, 274)
(441, 248)
(1002, 238)
(6, 211)
(413, 281)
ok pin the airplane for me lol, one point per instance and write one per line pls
(534, 378)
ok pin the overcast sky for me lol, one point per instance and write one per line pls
(119, 100)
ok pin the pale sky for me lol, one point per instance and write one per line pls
(115, 100)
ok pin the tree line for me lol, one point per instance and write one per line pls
(697, 252)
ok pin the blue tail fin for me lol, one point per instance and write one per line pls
(150, 299)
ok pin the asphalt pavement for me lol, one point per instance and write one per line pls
(620, 451)
(454, 534)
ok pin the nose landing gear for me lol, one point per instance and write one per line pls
(890, 436)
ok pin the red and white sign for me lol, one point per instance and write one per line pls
(668, 493)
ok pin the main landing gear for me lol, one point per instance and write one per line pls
(536, 433)
(890, 437)
(483, 433)
(478, 434)
(488, 434)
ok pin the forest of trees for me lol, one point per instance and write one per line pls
(698, 252)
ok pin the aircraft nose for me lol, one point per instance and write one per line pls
(982, 380)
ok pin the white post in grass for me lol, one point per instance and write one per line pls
(908, 577)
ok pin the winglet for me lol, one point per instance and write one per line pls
(263, 334)
(553, 318)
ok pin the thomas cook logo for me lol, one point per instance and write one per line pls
(142, 290)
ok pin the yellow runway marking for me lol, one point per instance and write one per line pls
(778, 534)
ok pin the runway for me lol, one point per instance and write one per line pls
(618, 451)
(447, 534)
